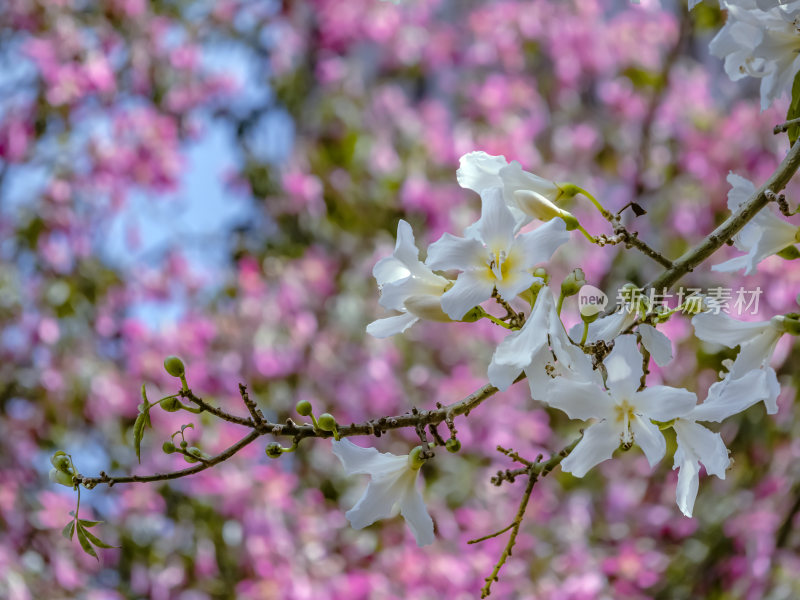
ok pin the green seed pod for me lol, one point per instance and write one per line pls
(452, 445)
(171, 405)
(189, 459)
(304, 408)
(174, 366)
(60, 477)
(415, 460)
(274, 450)
(326, 422)
(168, 447)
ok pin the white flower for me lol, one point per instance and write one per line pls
(756, 340)
(623, 412)
(696, 444)
(493, 257)
(527, 195)
(762, 43)
(529, 350)
(393, 483)
(407, 286)
(763, 236)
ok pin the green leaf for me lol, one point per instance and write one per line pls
(794, 111)
(69, 530)
(97, 541)
(87, 547)
(138, 434)
(146, 408)
(187, 426)
(86, 523)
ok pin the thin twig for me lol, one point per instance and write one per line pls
(256, 415)
(534, 472)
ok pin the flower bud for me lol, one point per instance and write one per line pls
(326, 422)
(184, 443)
(537, 206)
(168, 447)
(791, 326)
(274, 450)
(542, 273)
(452, 445)
(174, 366)
(573, 283)
(60, 477)
(61, 462)
(415, 460)
(304, 408)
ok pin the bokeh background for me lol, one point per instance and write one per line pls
(217, 179)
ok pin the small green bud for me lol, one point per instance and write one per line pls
(789, 253)
(60, 477)
(274, 450)
(326, 422)
(168, 447)
(573, 283)
(304, 408)
(452, 445)
(542, 272)
(476, 313)
(189, 459)
(174, 366)
(61, 462)
(415, 460)
(589, 318)
(184, 443)
(196, 452)
(171, 405)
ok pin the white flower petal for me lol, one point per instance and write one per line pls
(656, 343)
(663, 403)
(688, 483)
(598, 444)
(514, 283)
(478, 171)
(452, 252)
(649, 438)
(514, 178)
(496, 225)
(732, 396)
(734, 264)
(357, 460)
(756, 352)
(413, 509)
(624, 367)
(741, 191)
(704, 444)
(539, 245)
(580, 399)
(383, 328)
(722, 329)
(470, 289)
(378, 501)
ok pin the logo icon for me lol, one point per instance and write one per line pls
(591, 300)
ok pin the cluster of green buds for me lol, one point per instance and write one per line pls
(63, 470)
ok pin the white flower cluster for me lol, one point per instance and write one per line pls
(761, 39)
(495, 258)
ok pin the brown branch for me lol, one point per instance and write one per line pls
(534, 472)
